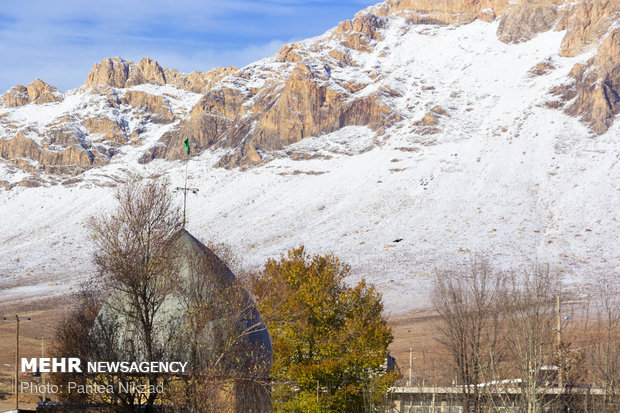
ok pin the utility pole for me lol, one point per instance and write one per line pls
(185, 188)
(559, 330)
(42, 356)
(17, 319)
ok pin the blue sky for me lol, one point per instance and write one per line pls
(58, 41)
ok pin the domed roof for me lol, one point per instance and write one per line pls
(205, 316)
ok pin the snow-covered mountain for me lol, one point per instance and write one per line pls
(402, 140)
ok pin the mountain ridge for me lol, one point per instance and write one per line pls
(393, 125)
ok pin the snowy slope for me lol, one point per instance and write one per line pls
(503, 173)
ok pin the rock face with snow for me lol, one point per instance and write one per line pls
(16, 96)
(37, 92)
(120, 73)
(68, 161)
(283, 112)
(445, 11)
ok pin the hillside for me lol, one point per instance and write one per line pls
(401, 140)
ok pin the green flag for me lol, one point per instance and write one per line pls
(186, 144)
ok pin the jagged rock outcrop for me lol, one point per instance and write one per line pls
(19, 147)
(523, 20)
(586, 23)
(120, 73)
(111, 131)
(37, 92)
(40, 92)
(306, 107)
(102, 125)
(22, 148)
(151, 104)
(62, 135)
(289, 53)
(198, 82)
(596, 91)
(16, 96)
(356, 34)
(72, 156)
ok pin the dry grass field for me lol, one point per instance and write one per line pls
(415, 332)
(44, 316)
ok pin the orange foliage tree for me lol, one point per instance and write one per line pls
(330, 340)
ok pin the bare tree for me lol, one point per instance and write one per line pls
(466, 302)
(508, 342)
(134, 255)
(135, 258)
(120, 314)
(530, 319)
(603, 352)
(73, 339)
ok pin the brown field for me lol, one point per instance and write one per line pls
(415, 332)
(44, 316)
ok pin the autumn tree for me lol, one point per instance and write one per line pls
(330, 340)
